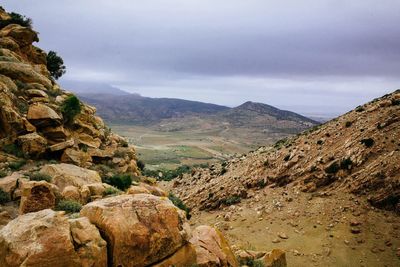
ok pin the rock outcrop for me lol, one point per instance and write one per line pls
(142, 227)
(47, 239)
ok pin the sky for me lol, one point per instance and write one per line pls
(316, 57)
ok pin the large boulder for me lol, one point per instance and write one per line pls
(212, 249)
(184, 257)
(22, 35)
(9, 184)
(33, 144)
(77, 157)
(41, 116)
(46, 239)
(23, 72)
(140, 229)
(36, 195)
(66, 174)
(275, 258)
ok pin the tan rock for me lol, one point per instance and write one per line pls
(275, 258)
(71, 193)
(33, 144)
(76, 157)
(211, 247)
(36, 196)
(47, 239)
(10, 183)
(134, 189)
(66, 174)
(62, 145)
(154, 190)
(5, 217)
(90, 247)
(41, 115)
(23, 72)
(36, 93)
(58, 133)
(141, 227)
(23, 35)
(184, 257)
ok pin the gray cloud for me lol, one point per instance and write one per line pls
(292, 53)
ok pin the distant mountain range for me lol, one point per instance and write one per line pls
(170, 114)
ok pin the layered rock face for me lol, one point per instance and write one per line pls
(357, 152)
(31, 115)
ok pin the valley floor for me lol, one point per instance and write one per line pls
(329, 230)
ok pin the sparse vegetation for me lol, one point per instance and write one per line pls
(332, 168)
(37, 176)
(110, 191)
(179, 203)
(167, 175)
(69, 206)
(231, 200)
(55, 65)
(3, 173)
(368, 142)
(251, 263)
(360, 109)
(346, 164)
(17, 165)
(17, 19)
(4, 197)
(70, 108)
(348, 124)
(120, 181)
(223, 171)
(13, 149)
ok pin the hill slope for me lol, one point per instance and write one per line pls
(358, 152)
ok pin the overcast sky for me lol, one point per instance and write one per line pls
(320, 57)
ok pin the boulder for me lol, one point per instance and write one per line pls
(41, 116)
(76, 157)
(154, 190)
(62, 145)
(211, 247)
(36, 196)
(57, 134)
(22, 35)
(36, 93)
(140, 229)
(10, 183)
(185, 256)
(46, 238)
(134, 189)
(23, 72)
(32, 144)
(66, 174)
(275, 258)
(71, 193)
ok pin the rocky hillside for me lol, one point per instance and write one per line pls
(358, 152)
(70, 190)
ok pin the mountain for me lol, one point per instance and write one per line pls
(357, 152)
(92, 88)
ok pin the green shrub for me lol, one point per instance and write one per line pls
(120, 181)
(348, 124)
(179, 203)
(140, 165)
(368, 142)
(110, 191)
(3, 173)
(69, 206)
(14, 150)
(37, 176)
(70, 108)
(346, 164)
(333, 168)
(17, 19)
(231, 200)
(251, 263)
(168, 175)
(17, 165)
(55, 65)
(360, 109)
(4, 197)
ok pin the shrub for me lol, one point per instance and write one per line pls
(69, 206)
(4, 197)
(231, 200)
(346, 164)
(368, 142)
(251, 262)
(120, 181)
(333, 168)
(223, 171)
(348, 124)
(140, 165)
(179, 203)
(13, 149)
(17, 165)
(360, 109)
(37, 176)
(70, 108)
(55, 65)
(3, 173)
(110, 191)
(17, 19)
(168, 175)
